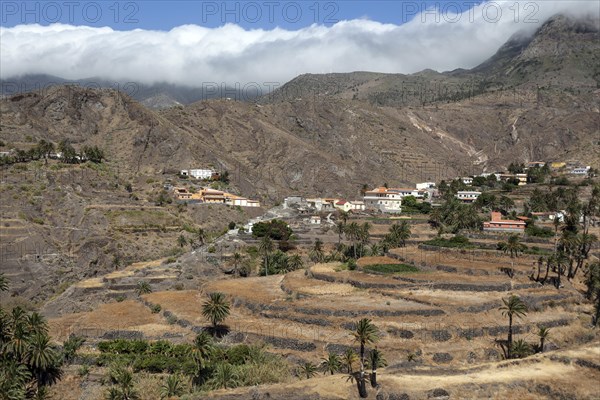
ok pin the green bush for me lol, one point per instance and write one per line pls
(155, 308)
(390, 268)
(457, 241)
(538, 231)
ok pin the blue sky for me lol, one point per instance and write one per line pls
(165, 15)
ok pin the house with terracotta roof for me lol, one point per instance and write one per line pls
(383, 199)
(497, 224)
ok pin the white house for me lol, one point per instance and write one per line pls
(425, 185)
(383, 199)
(198, 173)
(580, 170)
(357, 205)
(315, 220)
(467, 180)
(467, 196)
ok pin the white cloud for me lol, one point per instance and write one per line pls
(191, 55)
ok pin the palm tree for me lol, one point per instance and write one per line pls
(349, 358)
(124, 389)
(295, 262)
(266, 247)
(520, 349)
(513, 307)
(543, 334)
(399, 234)
(317, 254)
(331, 364)
(339, 228)
(365, 333)
(237, 258)
(512, 246)
(376, 361)
(173, 387)
(216, 308)
(3, 283)
(556, 223)
(202, 348)
(584, 242)
(201, 236)
(353, 233)
(308, 369)
(343, 216)
(224, 376)
(376, 249)
(561, 263)
(143, 287)
(36, 324)
(181, 241)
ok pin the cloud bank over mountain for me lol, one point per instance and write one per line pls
(192, 55)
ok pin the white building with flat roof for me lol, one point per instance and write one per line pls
(198, 173)
(467, 196)
(383, 199)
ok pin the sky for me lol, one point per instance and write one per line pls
(263, 42)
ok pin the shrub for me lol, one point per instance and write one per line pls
(543, 232)
(390, 268)
(155, 308)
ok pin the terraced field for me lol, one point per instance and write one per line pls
(440, 327)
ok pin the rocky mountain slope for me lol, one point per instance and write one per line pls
(536, 99)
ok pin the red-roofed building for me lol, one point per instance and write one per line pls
(497, 224)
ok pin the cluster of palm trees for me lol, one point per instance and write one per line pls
(29, 362)
(454, 216)
(276, 261)
(365, 333)
(360, 237)
(513, 307)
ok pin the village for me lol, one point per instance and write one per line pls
(389, 200)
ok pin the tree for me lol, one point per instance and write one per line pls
(266, 247)
(308, 369)
(339, 228)
(71, 345)
(216, 309)
(69, 155)
(513, 246)
(520, 349)
(353, 232)
(124, 388)
(201, 236)
(225, 376)
(398, 234)
(376, 360)
(592, 281)
(295, 262)
(93, 153)
(512, 307)
(143, 287)
(3, 282)
(316, 253)
(365, 333)
(331, 364)
(172, 387)
(29, 362)
(516, 168)
(181, 241)
(45, 148)
(349, 358)
(543, 334)
(202, 349)
(237, 258)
